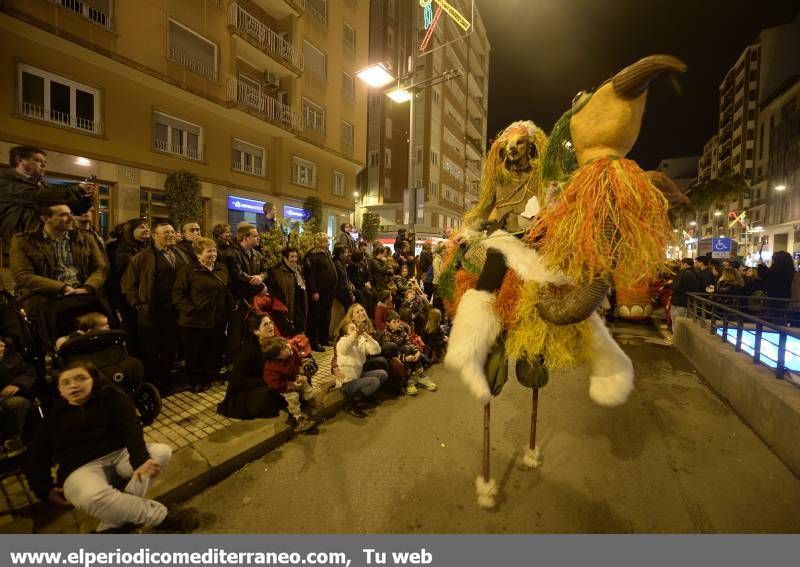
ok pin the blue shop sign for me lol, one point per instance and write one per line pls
(295, 213)
(245, 205)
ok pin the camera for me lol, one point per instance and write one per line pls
(308, 368)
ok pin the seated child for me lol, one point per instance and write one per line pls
(385, 305)
(413, 302)
(407, 317)
(283, 368)
(358, 384)
(409, 354)
(435, 336)
(84, 325)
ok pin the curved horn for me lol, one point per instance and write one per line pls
(582, 301)
(577, 306)
(633, 80)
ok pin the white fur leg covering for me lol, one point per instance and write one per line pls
(522, 259)
(611, 371)
(531, 458)
(486, 491)
(476, 327)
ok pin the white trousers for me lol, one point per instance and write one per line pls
(89, 489)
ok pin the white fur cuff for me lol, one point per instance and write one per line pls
(486, 491)
(611, 372)
(531, 458)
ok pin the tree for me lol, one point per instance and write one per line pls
(302, 235)
(370, 223)
(182, 196)
(273, 242)
(313, 208)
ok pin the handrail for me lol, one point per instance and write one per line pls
(723, 320)
(267, 40)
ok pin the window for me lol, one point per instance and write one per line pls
(337, 183)
(55, 99)
(387, 188)
(313, 116)
(434, 158)
(318, 9)
(315, 60)
(349, 38)
(434, 188)
(192, 51)
(248, 158)
(390, 38)
(304, 172)
(176, 136)
(387, 158)
(348, 87)
(389, 128)
(347, 136)
(435, 96)
(374, 158)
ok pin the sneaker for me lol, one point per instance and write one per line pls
(355, 411)
(427, 383)
(178, 521)
(13, 447)
(411, 389)
(303, 424)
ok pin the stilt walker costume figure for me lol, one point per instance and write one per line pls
(608, 223)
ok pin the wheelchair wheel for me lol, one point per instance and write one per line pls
(148, 403)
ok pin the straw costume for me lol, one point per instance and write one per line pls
(607, 224)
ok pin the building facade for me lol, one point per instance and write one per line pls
(257, 97)
(450, 112)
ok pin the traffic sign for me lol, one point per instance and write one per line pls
(721, 247)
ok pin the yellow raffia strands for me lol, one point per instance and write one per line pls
(562, 346)
(570, 233)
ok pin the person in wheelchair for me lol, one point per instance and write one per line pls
(93, 435)
(93, 340)
(16, 380)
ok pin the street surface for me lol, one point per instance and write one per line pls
(674, 458)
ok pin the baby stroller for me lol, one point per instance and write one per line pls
(107, 350)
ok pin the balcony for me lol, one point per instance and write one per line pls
(252, 169)
(280, 9)
(193, 64)
(318, 9)
(87, 12)
(474, 150)
(60, 118)
(271, 110)
(178, 150)
(283, 56)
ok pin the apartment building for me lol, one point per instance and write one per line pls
(257, 97)
(450, 111)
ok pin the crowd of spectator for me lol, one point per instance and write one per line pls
(198, 308)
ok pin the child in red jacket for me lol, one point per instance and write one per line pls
(283, 372)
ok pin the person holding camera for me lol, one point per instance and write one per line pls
(354, 345)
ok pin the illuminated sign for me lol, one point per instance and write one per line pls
(427, 14)
(246, 205)
(430, 20)
(294, 213)
(429, 34)
(457, 16)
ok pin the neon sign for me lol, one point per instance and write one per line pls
(430, 19)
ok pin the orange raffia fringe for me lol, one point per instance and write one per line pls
(508, 298)
(570, 234)
(464, 282)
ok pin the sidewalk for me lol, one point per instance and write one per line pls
(206, 448)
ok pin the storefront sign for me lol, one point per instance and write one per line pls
(294, 213)
(245, 205)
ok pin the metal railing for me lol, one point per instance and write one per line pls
(765, 336)
(185, 151)
(192, 63)
(318, 11)
(273, 110)
(266, 39)
(87, 12)
(59, 118)
(243, 167)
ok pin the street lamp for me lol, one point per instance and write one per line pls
(780, 187)
(375, 76)
(400, 95)
(693, 223)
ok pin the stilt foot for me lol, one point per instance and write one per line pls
(486, 491)
(531, 458)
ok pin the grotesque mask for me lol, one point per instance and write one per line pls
(516, 148)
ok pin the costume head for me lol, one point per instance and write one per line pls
(515, 151)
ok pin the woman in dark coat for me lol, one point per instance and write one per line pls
(777, 279)
(135, 238)
(247, 396)
(287, 284)
(203, 302)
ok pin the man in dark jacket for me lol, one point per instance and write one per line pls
(345, 238)
(703, 271)
(147, 285)
(94, 435)
(247, 273)
(16, 380)
(55, 261)
(321, 279)
(685, 281)
(22, 189)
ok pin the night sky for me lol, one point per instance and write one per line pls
(544, 51)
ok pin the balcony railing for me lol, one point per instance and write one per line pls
(177, 149)
(86, 11)
(59, 118)
(252, 169)
(272, 109)
(317, 11)
(266, 39)
(193, 64)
